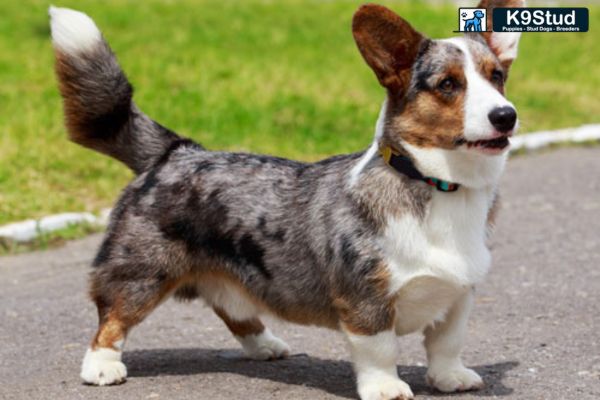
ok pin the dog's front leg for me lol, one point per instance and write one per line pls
(374, 359)
(443, 342)
(374, 348)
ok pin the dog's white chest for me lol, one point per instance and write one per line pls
(435, 259)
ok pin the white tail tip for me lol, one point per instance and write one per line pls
(73, 32)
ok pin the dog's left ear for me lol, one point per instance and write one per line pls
(387, 43)
(503, 44)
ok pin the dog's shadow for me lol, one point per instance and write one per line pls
(335, 377)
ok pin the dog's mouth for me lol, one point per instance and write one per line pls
(489, 146)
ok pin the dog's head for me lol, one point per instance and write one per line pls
(478, 14)
(445, 94)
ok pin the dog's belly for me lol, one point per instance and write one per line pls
(424, 300)
(240, 303)
(228, 296)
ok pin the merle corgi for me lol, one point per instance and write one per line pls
(376, 244)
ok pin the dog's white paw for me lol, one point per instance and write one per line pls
(103, 367)
(264, 346)
(456, 379)
(384, 388)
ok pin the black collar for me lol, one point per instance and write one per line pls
(405, 166)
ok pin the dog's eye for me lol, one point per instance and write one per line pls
(447, 85)
(498, 77)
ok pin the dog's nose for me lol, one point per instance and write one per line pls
(503, 118)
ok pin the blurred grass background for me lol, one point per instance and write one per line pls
(279, 77)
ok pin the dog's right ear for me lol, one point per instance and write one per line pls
(387, 43)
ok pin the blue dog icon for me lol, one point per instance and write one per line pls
(474, 24)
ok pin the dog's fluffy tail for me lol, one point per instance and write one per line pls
(99, 111)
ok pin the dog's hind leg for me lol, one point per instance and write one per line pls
(123, 301)
(239, 312)
(257, 341)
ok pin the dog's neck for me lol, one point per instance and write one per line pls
(402, 163)
(469, 169)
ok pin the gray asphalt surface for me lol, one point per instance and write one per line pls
(534, 333)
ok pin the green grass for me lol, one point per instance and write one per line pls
(278, 77)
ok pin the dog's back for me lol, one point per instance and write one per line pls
(264, 221)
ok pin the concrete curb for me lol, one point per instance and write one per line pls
(28, 230)
(538, 140)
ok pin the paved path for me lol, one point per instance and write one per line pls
(535, 332)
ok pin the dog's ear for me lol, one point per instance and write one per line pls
(503, 44)
(387, 43)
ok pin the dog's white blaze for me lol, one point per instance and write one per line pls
(374, 359)
(103, 366)
(480, 99)
(263, 346)
(72, 31)
(372, 151)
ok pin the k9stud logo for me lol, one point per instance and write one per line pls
(541, 20)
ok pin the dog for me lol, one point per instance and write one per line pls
(376, 244)
(474, 24)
